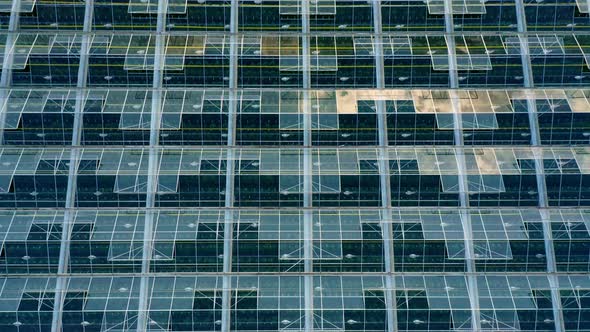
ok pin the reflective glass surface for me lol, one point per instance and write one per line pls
(294, 165)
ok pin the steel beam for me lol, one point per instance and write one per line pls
(6, 75)
(307, 170)
(230, 170)
(461, 166)
(384, 174)
(153, 166)
(69, 213)
(539, 171)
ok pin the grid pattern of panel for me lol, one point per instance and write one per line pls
(294, 165)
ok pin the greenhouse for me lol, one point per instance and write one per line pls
(294, 165)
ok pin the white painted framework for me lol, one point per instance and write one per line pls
(386, 222)
(384, 176)
(143, 318)
(539, 172)
(64, 253)
(463, 189)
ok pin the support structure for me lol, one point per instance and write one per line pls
(230, 171)
(7, 61)
(307, 169)
(153, 165)
(539, 171)
(357, 263)
(384, 176)
(69, 213)
(461, 166)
